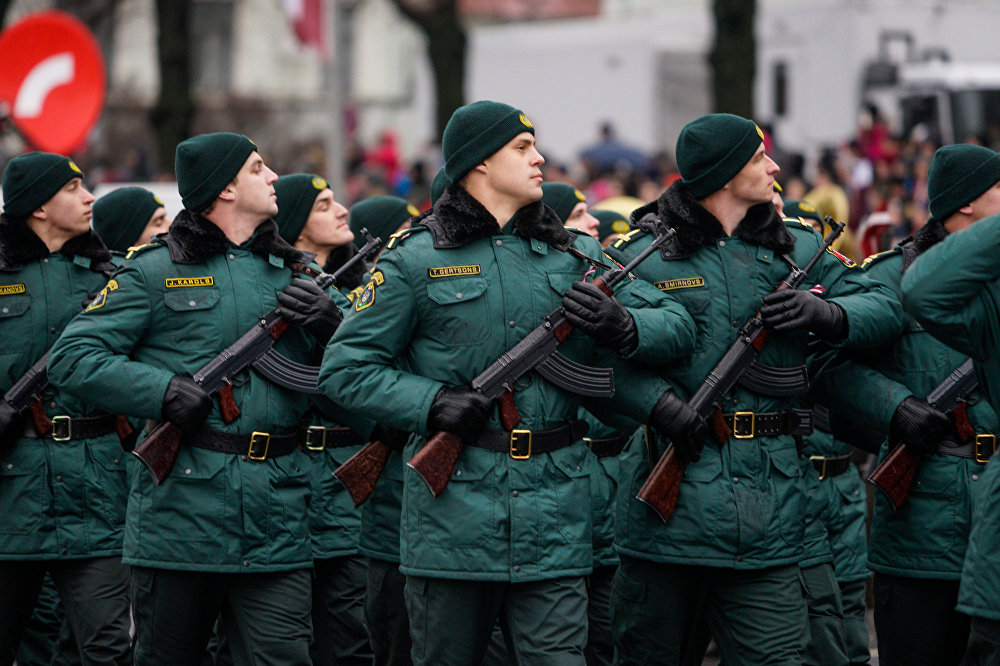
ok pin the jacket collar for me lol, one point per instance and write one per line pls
(458, 218)
(697, 228)
(192, 239)
(19, 245)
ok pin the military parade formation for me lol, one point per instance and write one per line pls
(503, 430)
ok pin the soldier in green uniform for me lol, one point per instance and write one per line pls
(313, 221)
(952, 291)
(228, 530)
(129, 217)
(917, 550)
(510, 537)
(611, 224)
(729, 553)
(570, 204)
(382, 215)
(62, 472)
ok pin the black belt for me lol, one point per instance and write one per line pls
(65, 428)
(317, 438)
(828, 467)
(979, 449)
(522, 444)
(747, 425)
(607, 447)
(256, 446)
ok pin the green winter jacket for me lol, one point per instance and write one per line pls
(742, 504)
(953, 290)
(445, 302)
(59, 499)
(169, 310)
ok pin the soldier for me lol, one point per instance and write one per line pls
(611, 225)
(62, 474)
(228, 529)
(510, 537)
(951, 289)
(570, 204)
(730, 551)
(127, 217)
(383, 216)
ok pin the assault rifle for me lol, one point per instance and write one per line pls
(662, 487)
(158, 451)
(894, 476)
(25, 394)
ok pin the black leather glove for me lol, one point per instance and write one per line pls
(681, 424)
(460, 410)
(11, 427)
(921, 426)
(393, 438)
(795, 309)
(185, 404)
(303, 303)
(601, 317)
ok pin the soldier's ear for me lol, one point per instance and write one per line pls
(228, 194)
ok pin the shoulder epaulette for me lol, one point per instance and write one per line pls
(400, 236)
(798, 223)
(139, 249)
(879, 256)
(626, 238)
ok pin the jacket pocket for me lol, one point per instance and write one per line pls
(109, 483)
(291, 484)
(464, 311)
(465, 513)
(788, 494)
(22, 479)
(191, 503)
(571, 494)
(194, 319)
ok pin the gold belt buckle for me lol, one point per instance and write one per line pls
(253, 453)
(315, 430)
(60, 432)
(983, 442)
(515, 436)
(736, 428)
(822, 473)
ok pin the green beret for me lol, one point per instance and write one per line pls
(381, 215)
(958, 174)
(296, 195)
(561, 198)
(206, 164)
(610, 223)
(32, 179)
(802, 209)
(438, 185)
(121, 215)
(476, 131)
(712, 149)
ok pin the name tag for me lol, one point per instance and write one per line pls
(190, 282)
(680, 283)
(10, 289)
(451, 271)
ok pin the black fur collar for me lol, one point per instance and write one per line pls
(929, 235)
(458, 219)
(193, 239)
(354, 275)
(697, 228)
(19, 245)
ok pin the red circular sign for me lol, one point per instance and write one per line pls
(52, 81)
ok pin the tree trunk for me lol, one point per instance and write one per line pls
(446, 43)
(732, 57)
(173, 112)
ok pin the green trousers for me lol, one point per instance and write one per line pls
(265, 617)
(826, 645)
(452, 621)
(94, 594)
(385, 614)
(338, 604)
(657, 610)
(852, 597)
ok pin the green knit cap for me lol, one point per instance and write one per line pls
(205, 164)
(121, 215)
(476, 131)
(32, 179)
(958, 174)
(610, 223)
(438, 185)
(381, 215)
(712, 149)
(561, 198)
(296, 195)
(802, 209)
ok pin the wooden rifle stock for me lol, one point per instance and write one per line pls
(436, 460)
(360, 472)
(894, 475)
(661, 489)
(158, 451)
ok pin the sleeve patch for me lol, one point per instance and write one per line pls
(102, 296)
